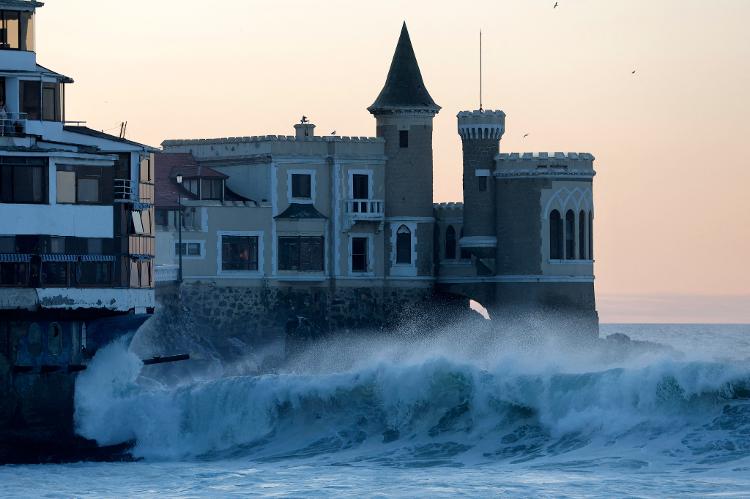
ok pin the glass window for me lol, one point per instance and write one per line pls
(29, 184)
(239, 253)
(188, 249)
(212, 189)
(359, 254)
(66, 186)
(360, 186)
(51, 102)
(10, 30)
(555, 236)
(582, 235)
(31, 99)
(162, 217)
(570, 235)
(403, 245)
(450, 243)
(94, 273)
(88, 190)
(191, 184)
(301, 186)
(55, 274)
(403, 138)
(14, 274)
(57, 244)
(303, 254)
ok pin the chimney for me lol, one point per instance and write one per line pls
(304, 130)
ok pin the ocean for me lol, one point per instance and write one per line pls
(457, 413)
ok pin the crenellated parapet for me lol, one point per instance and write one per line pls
(544, 164)
(481, 124)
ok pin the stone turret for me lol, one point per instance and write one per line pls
(480, 133)
(404, 111)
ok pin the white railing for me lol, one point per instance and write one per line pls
(12, 124)
(365, 209)
(165, 273)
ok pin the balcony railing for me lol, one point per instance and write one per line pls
(363, 210)
(166, 273)
(12, 124)
(123, 190)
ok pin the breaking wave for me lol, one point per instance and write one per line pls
(409, 409)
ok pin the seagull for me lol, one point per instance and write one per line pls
(554, 6)
(525, 135)
(632, 72)
(333, 132)
(304, 119)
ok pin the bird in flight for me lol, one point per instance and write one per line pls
(333, 132)
(525, 135)
(554, 6)
(632, 72)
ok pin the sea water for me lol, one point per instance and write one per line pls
(450, 414)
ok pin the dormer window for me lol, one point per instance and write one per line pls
(212, 189)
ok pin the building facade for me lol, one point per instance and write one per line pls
(351, 220)
(76, 235)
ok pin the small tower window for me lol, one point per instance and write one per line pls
(403, 138)
(301, 186)
(482, 184)
(450, 243)
(403, 245)
(555, 236)
(570, 235)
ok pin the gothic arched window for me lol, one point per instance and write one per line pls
(570, 235)
(403, 245)
(555, 236)
(591, 236)
(582, 235)
(450, 243)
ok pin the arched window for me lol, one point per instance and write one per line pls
(582, 235)
(403, 245)
(450, 243)
(591, 235)
(570, 235)
(555, 236)
(464, 253)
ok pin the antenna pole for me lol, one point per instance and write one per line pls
(480, 70)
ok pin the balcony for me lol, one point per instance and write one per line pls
(364, 210)
(12, 124)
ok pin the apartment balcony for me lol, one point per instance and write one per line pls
(364, 210)
(124, 190)
(13, 124)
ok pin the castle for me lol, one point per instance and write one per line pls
(343, 231)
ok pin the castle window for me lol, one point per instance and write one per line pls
(450, 243)
(403, 245)
(482, 184)
(582, 235)
(302, 254)
(570, 235)
(591, 236)
(301, 186)
(360, 186)
(359, 254)
(555, 236)
(403, 138)
(239, 253)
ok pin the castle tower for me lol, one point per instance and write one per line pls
(404, 111)
(480, 133)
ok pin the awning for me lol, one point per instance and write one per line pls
(97, 258)
(14, 257)
(59, 258)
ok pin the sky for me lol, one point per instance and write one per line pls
(671, 193)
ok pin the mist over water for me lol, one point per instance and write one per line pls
(456, 397)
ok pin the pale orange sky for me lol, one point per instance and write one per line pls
(672, 215)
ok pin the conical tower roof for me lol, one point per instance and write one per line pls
(404, 88)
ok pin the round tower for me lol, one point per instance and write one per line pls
(404, 111)
(480, 133)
